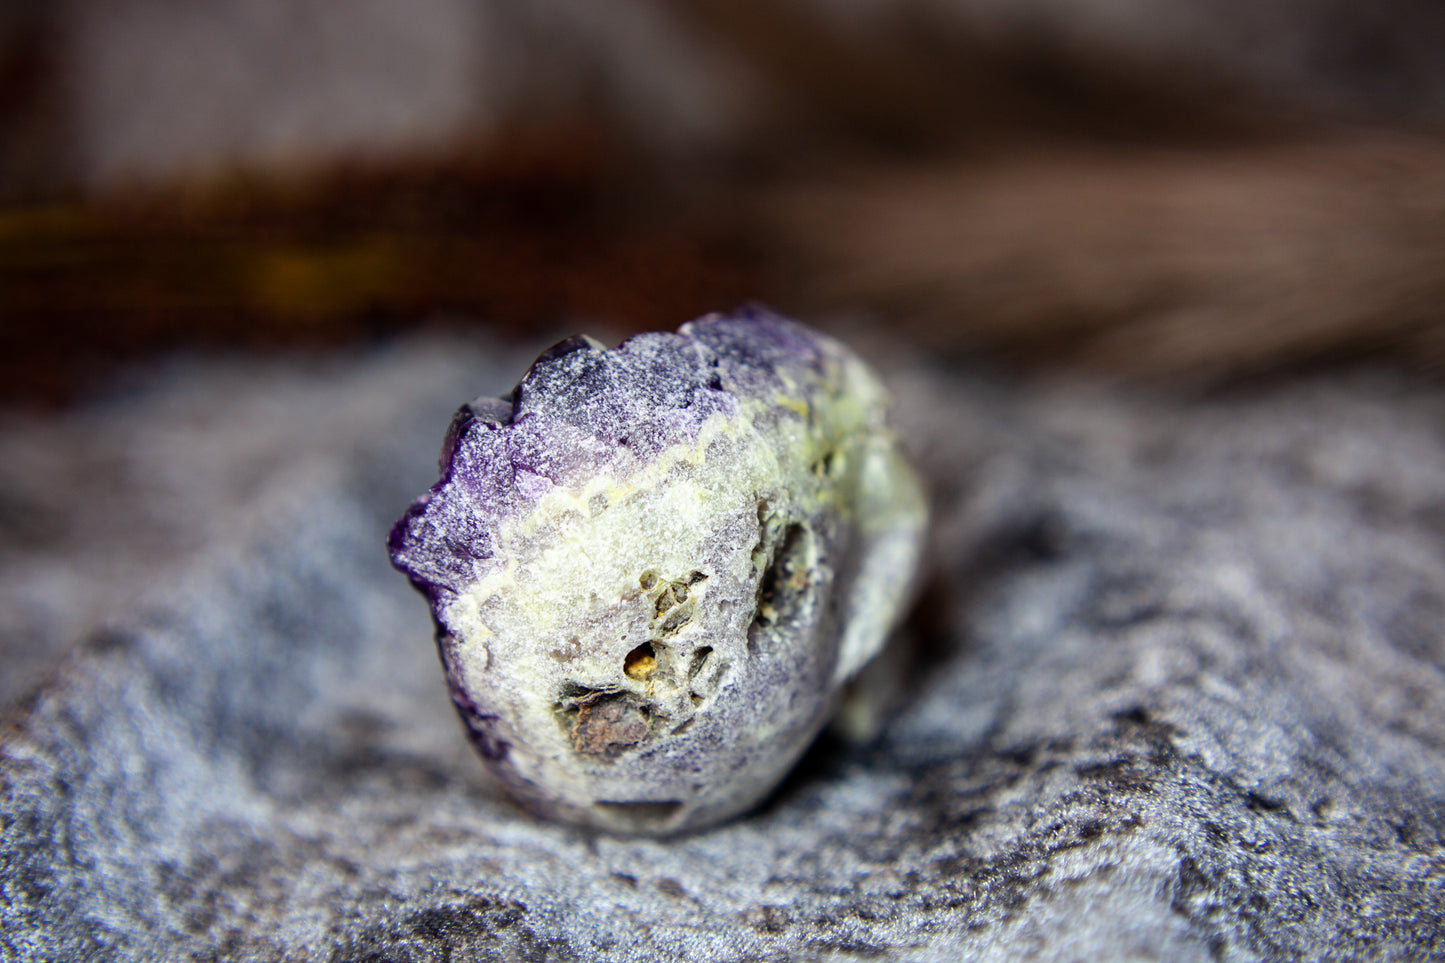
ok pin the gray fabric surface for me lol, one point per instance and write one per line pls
(1178, 694)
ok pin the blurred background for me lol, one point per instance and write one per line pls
(1175, 191)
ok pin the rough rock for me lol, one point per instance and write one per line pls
(653, 569)
(1179, 696)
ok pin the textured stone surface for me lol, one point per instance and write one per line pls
(654, 568)
(1180, 697)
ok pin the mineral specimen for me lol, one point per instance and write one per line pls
(653, 568)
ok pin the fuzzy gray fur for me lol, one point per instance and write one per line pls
(1181, 697)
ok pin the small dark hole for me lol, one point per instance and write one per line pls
(666, 600)
(699, 659)
(641, 662)
(785, 580)
(827, 464)
(675, 620)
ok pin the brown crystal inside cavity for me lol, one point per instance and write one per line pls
(610, 726)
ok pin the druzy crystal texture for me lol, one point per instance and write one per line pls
(653, 568)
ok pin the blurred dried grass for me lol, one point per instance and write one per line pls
(1046, 200)
(1145, 263)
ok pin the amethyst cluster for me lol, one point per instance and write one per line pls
(653, 568)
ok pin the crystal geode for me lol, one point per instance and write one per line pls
(653, 568)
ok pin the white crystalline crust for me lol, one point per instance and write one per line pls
(705, 535)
